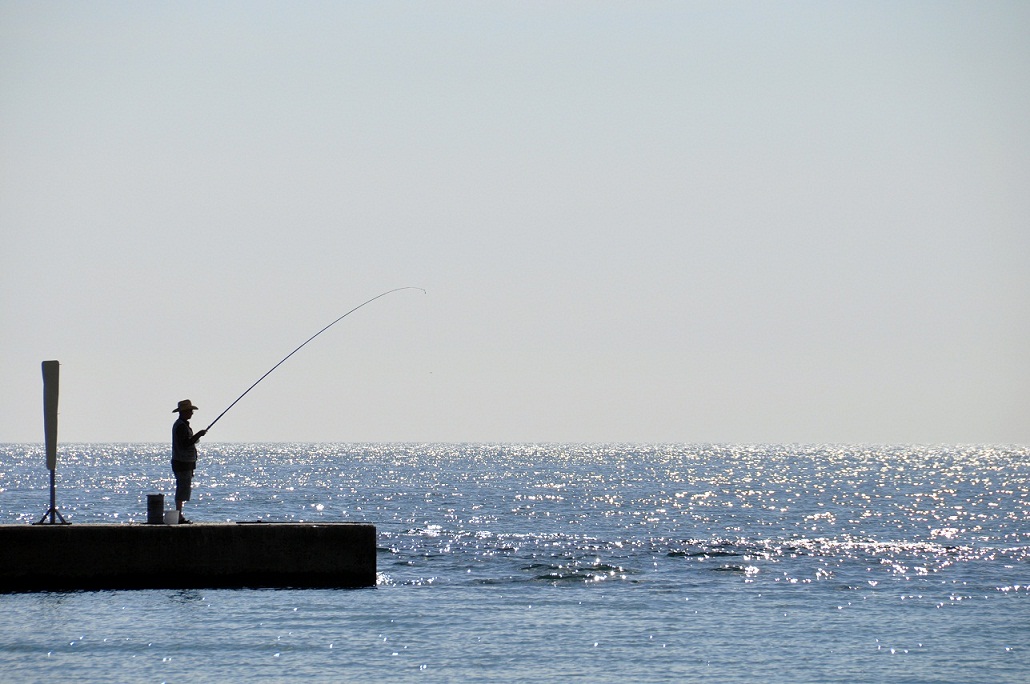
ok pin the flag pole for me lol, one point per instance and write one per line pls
(51, 382)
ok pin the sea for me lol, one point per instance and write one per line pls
(559, 562)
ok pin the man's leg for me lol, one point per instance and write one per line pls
(183, 487)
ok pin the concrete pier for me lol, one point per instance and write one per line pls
(201, 555)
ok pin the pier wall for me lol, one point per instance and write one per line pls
(201, 555)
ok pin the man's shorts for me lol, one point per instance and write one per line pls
(183, 479)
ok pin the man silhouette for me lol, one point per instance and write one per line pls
(184, 454)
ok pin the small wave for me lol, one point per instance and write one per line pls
(747, 570)
(594, 572)
(702, 554)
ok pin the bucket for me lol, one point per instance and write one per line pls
(155, 508)
(172, 517)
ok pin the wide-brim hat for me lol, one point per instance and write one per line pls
(185, 405)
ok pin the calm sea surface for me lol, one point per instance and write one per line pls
(560, 562)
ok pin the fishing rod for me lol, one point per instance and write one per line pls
(396, 289)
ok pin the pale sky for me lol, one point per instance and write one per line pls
(636, 221)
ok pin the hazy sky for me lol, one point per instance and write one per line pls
(638, 221)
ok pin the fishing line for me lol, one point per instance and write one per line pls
(397, 289)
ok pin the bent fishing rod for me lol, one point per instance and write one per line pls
(396, 289)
